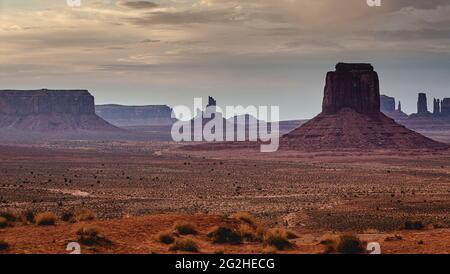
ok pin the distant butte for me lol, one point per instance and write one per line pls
(351, 117)
(50, 111)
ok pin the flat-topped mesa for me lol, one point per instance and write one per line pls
(150, 115)
(50, 110)
(354, 86)
(44, 101)
(387, 103)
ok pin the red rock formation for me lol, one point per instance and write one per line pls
(351, 117)
(422, 105)
(387, 103)
(120, 115)
(436, 107)
(44, 110)
(353, 86)
(445, 107)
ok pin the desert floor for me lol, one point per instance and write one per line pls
(138, 189)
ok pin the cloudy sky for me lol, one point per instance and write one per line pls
(261, 52)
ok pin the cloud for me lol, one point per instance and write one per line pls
(183, 17)
(150, 41)
(418, 4)
(138, 4)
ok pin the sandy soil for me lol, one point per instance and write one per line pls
(138, 235)
(333, 192)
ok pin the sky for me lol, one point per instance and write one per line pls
(247, 52)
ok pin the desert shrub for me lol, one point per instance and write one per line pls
(45, 218)
(414, 225)
(246, 218)
(185, 228)
(247, 233)
(350, 244)
(330, 245)
(90, 236)
(3, 245)
(277, 238)
(9, 216)
(166, 237)
(84, 214)
(3, 222)
(185, 244)
(68, 217)
(28, 217)
(223, 235)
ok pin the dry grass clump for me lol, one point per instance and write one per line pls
(84, 214)
(185, 228)
(9, 216)
(185, 244)
(79, 215)
(166, 237)
(260, 231)
(330, 245)
(28, 217)
(246, 218)
(414, 225)
(3, 245)
(68, 217)
(248, 233)
(3, 222)
(278, 238)
(224, 235)
(45, 218)
(90, 236)
(350, 244)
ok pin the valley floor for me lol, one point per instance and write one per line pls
(128, 183)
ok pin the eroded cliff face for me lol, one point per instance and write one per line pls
(21, 102)
(422, 104)
(445, 107)
(120, 115)
(351, 118)
(50, 110)
(387, 103)
(354, 86)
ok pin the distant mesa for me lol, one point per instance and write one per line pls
(351, 117)
(433, 122)
(442, 108)
(387, 104)
(422, 105)
(129, 116)
(50, 111)
(211, 112)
